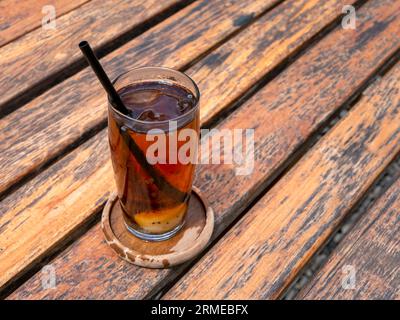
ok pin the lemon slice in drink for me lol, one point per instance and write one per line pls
(161, 221)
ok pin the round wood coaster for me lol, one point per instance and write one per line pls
(186, 244)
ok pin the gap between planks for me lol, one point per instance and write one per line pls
(316, 264)
(210, 120)
(286, 166)
(336, 189)
(265, 11)
(371, 247)
(20, 33)
(90, 132)
(58, 76)
(284, 64)
(319, 260)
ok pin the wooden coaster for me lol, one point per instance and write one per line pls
(186, 244)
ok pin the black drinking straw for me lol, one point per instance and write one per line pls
(102, 76)
(160, 182)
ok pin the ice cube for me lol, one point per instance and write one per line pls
(147, 116)
(141, 97)
(184, 105)
(150, 115)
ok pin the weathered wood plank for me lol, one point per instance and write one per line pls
(38, 132)
(372, 250)
(263, 252)
(41, 53)
(293, 112)
(19, 17)
(60, 116)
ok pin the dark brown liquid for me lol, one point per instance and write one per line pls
(154, 198)
(155, 101)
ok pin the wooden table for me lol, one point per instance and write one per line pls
(324, 103)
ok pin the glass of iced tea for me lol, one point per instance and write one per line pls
(154, 187)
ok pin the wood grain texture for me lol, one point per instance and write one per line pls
(293, 112)
(45, 126)
(262, 253)
(19, 17)
(42, 53)
(67, 193)
(237, 65)
(372, 248)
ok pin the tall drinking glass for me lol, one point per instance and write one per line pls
(153, 149)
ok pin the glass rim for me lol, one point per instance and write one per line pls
(124, 116)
